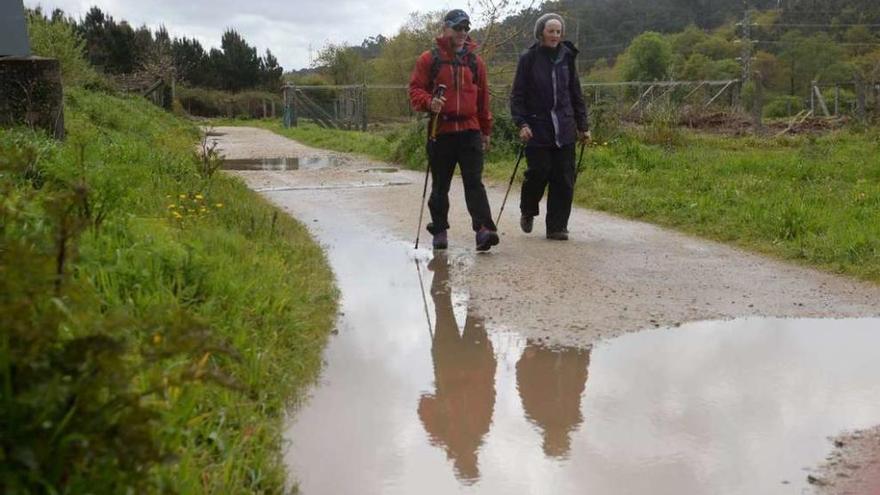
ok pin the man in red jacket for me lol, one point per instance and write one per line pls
(463, 125)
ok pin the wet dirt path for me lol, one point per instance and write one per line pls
(452, 400)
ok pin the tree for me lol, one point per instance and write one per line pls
(270, 71)
(859, 40)
(190, 61)
(647, 58)
(395, 64)
(342, 64)
(92, 29)
(684, 42)
(809, 58)
(58, 39)
(239, 66)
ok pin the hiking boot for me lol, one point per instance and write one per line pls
(562, 235)
(486, 238)
(526, 222)
(439, 241)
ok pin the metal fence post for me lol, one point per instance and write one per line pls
(364, 108)
(861, 110)
(836, 100)
(813, 98)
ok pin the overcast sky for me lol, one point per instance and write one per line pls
(286, 27)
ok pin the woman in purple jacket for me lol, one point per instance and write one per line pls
(548, 107)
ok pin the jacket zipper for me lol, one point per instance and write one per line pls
(553, 115)
(458, 98)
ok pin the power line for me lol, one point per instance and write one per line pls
(767, 42)
(814, 25)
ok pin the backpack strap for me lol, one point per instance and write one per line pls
(436, 61)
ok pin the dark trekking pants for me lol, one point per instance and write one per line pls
(552, 168)
(466, 150)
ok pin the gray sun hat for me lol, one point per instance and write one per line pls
(542, 21)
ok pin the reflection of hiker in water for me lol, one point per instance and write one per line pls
(550, 383)
(459, 413)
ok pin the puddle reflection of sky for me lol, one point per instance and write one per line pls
(406, 405)
(280, 164)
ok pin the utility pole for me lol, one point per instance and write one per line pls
(746, 44)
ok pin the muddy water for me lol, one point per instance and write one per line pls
(419, 396)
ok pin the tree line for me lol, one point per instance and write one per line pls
(115, 47)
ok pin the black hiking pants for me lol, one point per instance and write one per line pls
(466, 150)
(551, 168)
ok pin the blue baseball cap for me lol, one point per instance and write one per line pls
(455, 17)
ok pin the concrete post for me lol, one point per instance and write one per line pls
(31, 94)
(13, 30)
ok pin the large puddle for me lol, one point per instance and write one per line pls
(281, 164)
(419, 396)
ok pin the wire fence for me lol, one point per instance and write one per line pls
(356, 106)
(359, 106)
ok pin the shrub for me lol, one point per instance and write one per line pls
(59, 39)
(783, 106)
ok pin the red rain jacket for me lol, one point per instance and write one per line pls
(467, 104)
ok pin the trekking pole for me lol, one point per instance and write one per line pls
(581, 159)
(522, 149)
(441, 88)
(424, 300)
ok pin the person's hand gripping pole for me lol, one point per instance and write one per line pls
(436, 107)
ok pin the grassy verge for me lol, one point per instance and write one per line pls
(814, 200)
(157, 321)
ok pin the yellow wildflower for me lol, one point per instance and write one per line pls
(199, 196)
(157, 339)
(182, 196)
(219, 205)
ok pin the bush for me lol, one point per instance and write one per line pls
(783, 106)
(505, 138)
(59, 39)
(847, 100)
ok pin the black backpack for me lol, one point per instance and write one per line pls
(470, 60)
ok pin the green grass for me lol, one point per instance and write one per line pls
(812, 200)
(374, 145)
(251, 276)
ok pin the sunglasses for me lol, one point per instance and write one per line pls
(461, 27)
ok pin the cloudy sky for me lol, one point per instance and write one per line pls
(287, 27)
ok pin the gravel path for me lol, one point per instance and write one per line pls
(614, 275)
